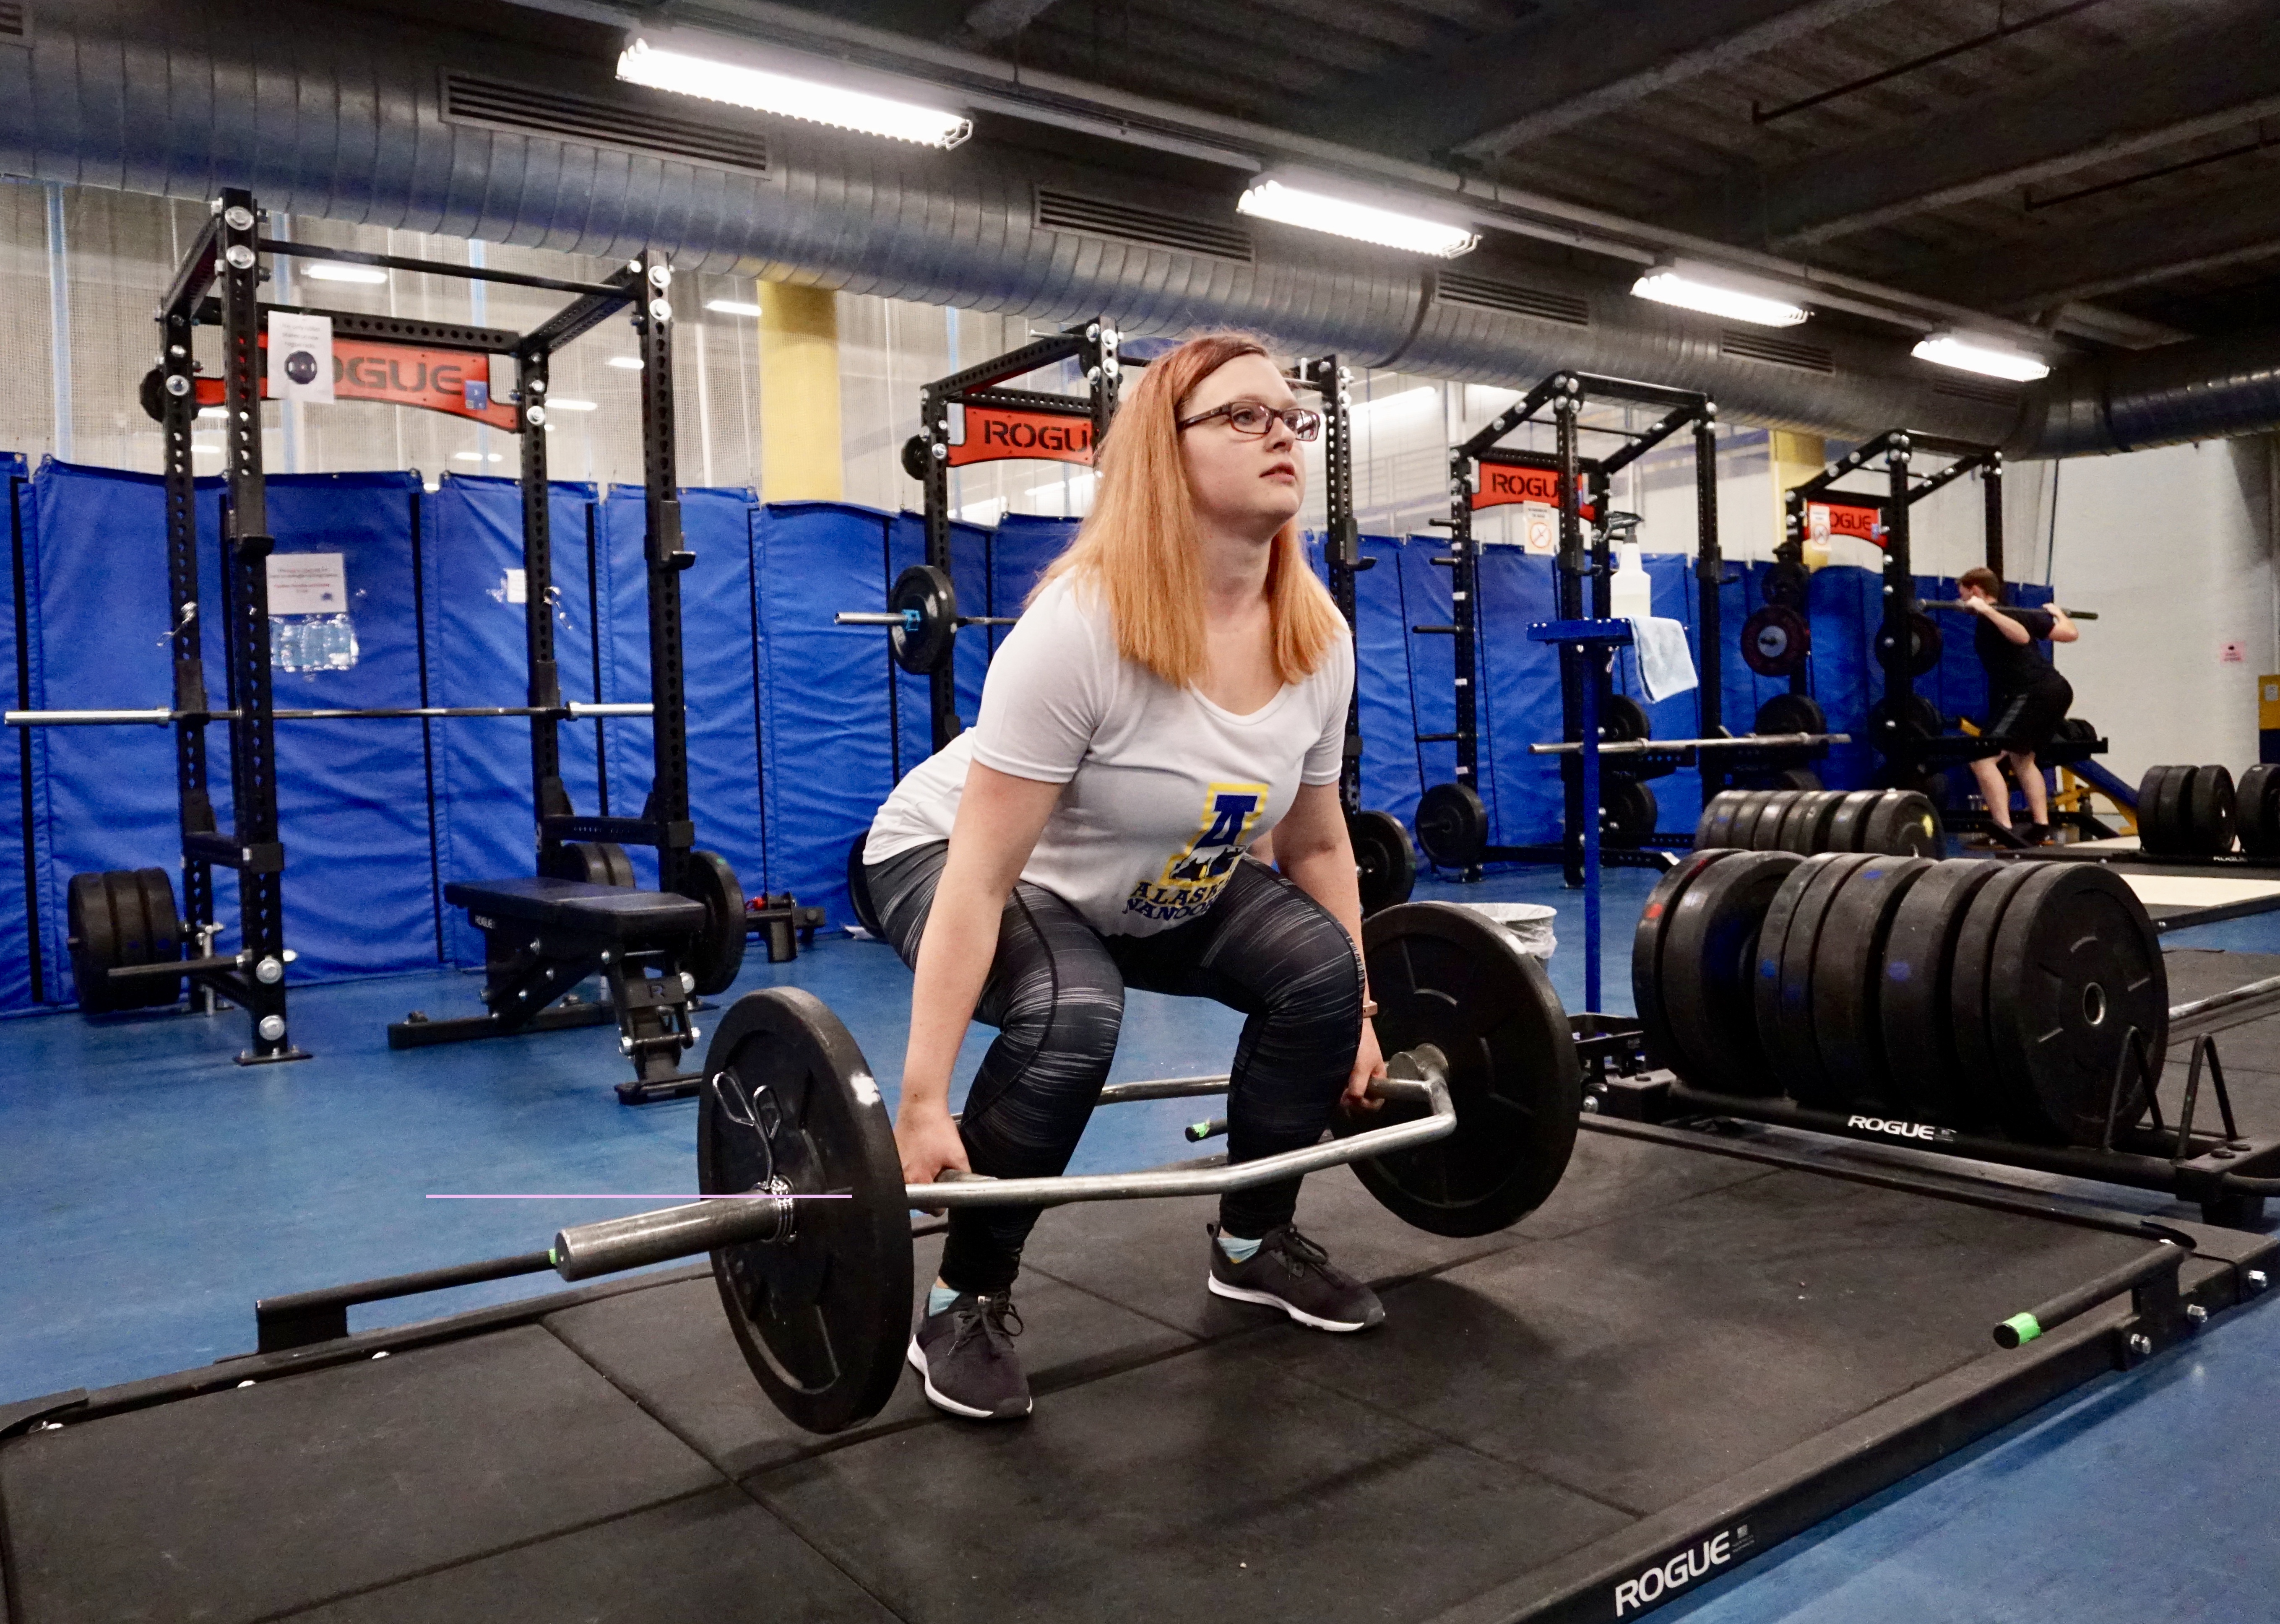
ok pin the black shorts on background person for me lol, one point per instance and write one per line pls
(2027, 698)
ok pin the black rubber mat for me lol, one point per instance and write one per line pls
(1535, 1415)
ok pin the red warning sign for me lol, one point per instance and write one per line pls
(994, 433)
(403, 375)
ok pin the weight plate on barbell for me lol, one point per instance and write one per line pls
(2211, 800)
(925, 591)
(2076, 967)
(1625, 718)
(1790, 713)
(1445, 976)
(1709, 957)
(1386, 864)
(1845, 823)
(1775, 640)
(821, 1314)
(1646, 953)
(1920, 1057)
(1452, 825)
(717, 953)
(1783, 992)
(1966, 994)
(1848, 969)
(1627, 812)
(1923, 644)
(858, 888)
(2257, 810)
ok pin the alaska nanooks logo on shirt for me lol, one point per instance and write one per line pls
(1194, 876)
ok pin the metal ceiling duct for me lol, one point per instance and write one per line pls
(357, 116)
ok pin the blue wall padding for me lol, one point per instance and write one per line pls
(970, 574)
(353, 795)
(472, 536)
(16, 513)
(97, 616)
(825, 760)
(1390, 780)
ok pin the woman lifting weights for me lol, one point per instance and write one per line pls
(2027, 700)
(1177, 688)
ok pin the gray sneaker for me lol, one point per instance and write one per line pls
(1291, 1273)
(965, 1354)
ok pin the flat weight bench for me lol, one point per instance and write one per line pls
(543, 937)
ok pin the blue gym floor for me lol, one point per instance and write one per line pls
(158, 1189)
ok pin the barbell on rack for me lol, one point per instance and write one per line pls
(574, 710)
(921, 617)
(806, 1216)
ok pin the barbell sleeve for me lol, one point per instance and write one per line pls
(864, 617)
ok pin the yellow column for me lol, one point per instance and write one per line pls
(1796, 458)
(800, 457)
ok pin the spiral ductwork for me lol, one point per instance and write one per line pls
(521, 135)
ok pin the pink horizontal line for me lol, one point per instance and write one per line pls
(754, 1195)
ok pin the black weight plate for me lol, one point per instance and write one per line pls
(1790, 713)
(2150, 834)
(2170, 809)
(1844, 828)
(1797, 778)
(1787, 584)
(925, 591)
(2080, 729)
(1902, 823)
(93, 934)
(1781, 996)
(1452, 825)
(1386, 864)
(1923, 644)
(1847, 969)
(1646, 952)
(1762, 806)
(602, 862)
(1805, 831)
(1715, 827)
(1913, 1009)
(1966, 994)
(718, 953)
(1917, 717)
(616, 866)
(166, 935)
(915, 457)
(2077, 967)
(2257, 810)
(2211, 800)
(822, 1314)
(1445, 976)
(858, 888)
(1627, 813)
(1775, 640)
(1709, 959)
(1625, 718)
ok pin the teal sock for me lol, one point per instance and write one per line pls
(939, 1297)
(1237, 1252)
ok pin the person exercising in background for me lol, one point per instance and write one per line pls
(1176, 690)
(2027, 698)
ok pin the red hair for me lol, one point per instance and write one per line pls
(1139, 546)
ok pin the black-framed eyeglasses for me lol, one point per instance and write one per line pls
(1250, 419)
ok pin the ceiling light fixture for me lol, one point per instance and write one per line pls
(1269, 198)
(558, 403)
(733, 307)
(1715, 291)
(474, 457)
(626, 363)
(713, 80)
(333, 271)
(1984, 355)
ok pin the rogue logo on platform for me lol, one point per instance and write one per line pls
(1925, 1131)
(1675, 1573)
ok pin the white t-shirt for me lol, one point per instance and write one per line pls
(1164, 790)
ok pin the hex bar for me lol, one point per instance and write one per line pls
(618, 1243)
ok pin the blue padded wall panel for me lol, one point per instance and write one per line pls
(15, 945)
(476, 656)
(1520, 681)
(825, 759)
(1389, 781)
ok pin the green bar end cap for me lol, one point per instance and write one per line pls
(2023, 1328)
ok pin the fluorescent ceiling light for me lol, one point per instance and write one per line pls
(733, 307)
(1344, 217)
(1982, 356)
(1716, 292)
(333, 271)
(715, 80)
(474, 457)
(209, 413)
(626, 363)
(560, 404)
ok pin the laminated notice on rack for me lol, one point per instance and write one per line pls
(300, 356)
(307, 583)
(1539, 527)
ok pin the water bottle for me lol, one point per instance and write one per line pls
(1630, 596)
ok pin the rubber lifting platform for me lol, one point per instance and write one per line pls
(1682, 1359)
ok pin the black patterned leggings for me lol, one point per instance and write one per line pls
(1056, 995)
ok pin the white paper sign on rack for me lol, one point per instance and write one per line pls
(300, 356)
(307, 583)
